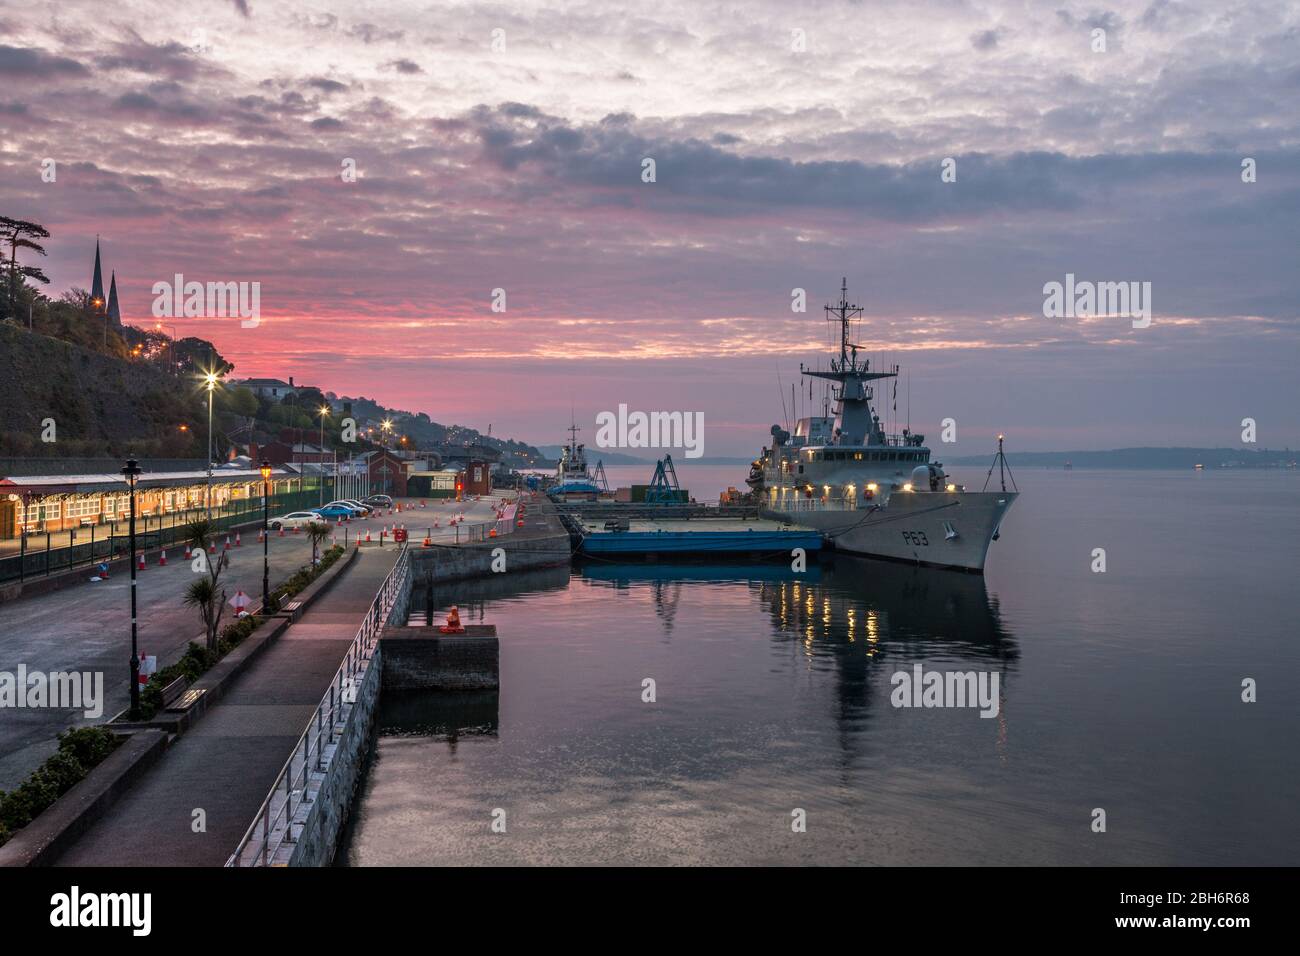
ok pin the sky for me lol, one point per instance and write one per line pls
(503, 146)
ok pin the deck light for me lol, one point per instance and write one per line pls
(952, 487)
(907, 487)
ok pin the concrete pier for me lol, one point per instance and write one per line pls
(422, 658)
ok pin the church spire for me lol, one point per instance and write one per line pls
(97, 283)
(114, 315)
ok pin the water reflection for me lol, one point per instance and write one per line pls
(429, 713)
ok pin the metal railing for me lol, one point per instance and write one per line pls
(265, 835)
(468, 534)
(42, 553)
(789, 503)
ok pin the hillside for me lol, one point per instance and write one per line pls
(100, 404)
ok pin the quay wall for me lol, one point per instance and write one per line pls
(463, 663)
(318, 825)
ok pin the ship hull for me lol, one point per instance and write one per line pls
(938, 529)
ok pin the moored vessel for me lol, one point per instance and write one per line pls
(870, 492)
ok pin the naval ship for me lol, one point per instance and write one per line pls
(869, 492)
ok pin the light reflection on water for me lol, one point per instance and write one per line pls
(1117, 690)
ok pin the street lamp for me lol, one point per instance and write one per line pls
(386, 426)
(131, 472)
(324, 410)
(210, 380)
(266, 536)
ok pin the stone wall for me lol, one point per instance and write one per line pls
(522, 553)
(318, 825)
(422, 658)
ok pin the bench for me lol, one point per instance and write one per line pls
(185, 701)
(292, 606)
(174, 690)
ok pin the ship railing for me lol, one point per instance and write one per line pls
(272, 826)
(814, 504)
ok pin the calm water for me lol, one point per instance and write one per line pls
(1119, 690)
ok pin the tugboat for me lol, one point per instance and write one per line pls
(869, 492)
(573, 481)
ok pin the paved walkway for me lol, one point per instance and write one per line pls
(228, 762)
(86, 627)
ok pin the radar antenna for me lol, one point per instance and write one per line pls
(844, 312)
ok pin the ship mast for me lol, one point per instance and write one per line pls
(844, 312)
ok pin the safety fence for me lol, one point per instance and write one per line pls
(40, 554)
(272, 826)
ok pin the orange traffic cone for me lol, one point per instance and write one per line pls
(282, 531)
(238, 543)
(453, 625)
(140, 564)
(296, 529)
(212, 548)
(187, 551)
(367, 536)
(227, 547)
(162, 558)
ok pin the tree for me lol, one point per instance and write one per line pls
(317, 531)
(197, 356)
(205, 593)
(20, 233)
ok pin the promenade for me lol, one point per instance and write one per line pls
(221, 770)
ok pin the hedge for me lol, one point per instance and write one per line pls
(80, 751)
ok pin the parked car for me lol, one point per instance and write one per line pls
(359, 505)
(335, 511)
(295, 519)
(352, 508)
(382, 501)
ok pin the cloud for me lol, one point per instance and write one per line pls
(36, 63)
(404, 66)
(985, 40)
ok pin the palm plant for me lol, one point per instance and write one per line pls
(205, 593)
(317, 531)
(202, 593)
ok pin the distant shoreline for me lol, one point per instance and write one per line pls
(1178, 459)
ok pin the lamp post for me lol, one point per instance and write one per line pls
(131, 472)
(266, 536)
(324, 410)
(210, 379)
